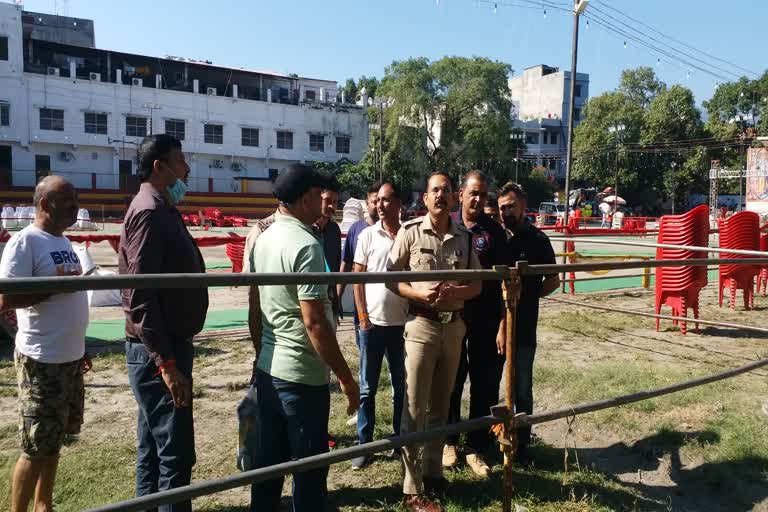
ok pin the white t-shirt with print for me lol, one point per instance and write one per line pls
(384, 307)
(53, 331)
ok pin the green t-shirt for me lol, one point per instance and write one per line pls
(289, 246)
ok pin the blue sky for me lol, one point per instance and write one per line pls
(337, 39)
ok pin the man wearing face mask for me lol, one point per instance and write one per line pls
(160, 323)
(525, 242)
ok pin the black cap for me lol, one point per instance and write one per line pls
(295, 180)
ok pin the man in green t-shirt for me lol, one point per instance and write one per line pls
(297, 346)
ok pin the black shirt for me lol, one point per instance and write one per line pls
(532, 245)
(154, 240)
(488, 240)
(330, 237)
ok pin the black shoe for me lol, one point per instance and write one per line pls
(362, 461)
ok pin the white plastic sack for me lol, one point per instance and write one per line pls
(9, 217)
(103, 298)
(86, 260)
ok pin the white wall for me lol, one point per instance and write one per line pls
(28, 92)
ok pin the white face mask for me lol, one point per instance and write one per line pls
(177, 190)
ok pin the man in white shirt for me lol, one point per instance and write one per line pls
(382, 315)
(50, 343)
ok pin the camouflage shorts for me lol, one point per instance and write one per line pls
(51, 398)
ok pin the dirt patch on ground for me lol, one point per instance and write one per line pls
(661, 454)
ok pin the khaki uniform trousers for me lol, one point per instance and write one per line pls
(432, 352)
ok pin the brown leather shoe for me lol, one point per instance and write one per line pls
(419, 503)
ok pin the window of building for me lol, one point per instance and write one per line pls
(531, 138)
(5, 113)
(175, 128)
(552, 138)
(578, 90)
(309, 95)
(552, 163)
(576, 114)
(135, 126)
(250, 137)
(95, 123)
(342, 144)
(284, 139)
(316, 142)
(212, 133)
(52, 119)
(3, 48)
(545, 138)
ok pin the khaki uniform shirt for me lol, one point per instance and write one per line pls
(418, 247)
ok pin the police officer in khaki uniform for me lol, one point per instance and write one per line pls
(433, 332)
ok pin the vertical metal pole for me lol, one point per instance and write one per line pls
(571, 106)
(511, 293)
(381, 141)
(517, 166)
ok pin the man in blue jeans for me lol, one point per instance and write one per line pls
(160, 323)
(525, 242)
(382, 317)
(297, 347)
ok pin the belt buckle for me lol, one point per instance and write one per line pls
(445, 317)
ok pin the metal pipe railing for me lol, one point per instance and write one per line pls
(344, 454)
(68, 284)
(744, 252)
(687, 319)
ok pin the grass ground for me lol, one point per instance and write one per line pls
(703, 449)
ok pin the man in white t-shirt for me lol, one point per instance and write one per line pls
(382, 316)
(50, 343)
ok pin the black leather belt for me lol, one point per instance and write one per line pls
(443, 317)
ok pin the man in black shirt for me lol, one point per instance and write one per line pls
(479, 356)
(330, 235)
(525, 242)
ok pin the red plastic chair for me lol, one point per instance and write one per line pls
(235, 251)
(679, 287)
(762, 277)
(740, 231)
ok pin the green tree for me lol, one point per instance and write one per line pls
(598, 136)
(458, 106)
(641, 85)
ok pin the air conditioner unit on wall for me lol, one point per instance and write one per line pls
(53, 71)
(137, 82)
(211, 91)
(95, 77)
(236, 166)
(217, 164)
(66, 156)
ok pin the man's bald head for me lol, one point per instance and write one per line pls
(51, 186)
(56, 204)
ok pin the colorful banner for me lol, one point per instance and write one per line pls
(757, 180)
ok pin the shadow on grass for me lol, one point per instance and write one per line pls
(727, 485)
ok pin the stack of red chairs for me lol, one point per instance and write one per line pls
(739, 231)
(762, 277)
(679, 287)
(235, 252)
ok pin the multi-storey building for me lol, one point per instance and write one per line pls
(69, 108)
(540, 97)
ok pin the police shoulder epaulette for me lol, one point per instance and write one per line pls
(412, 222)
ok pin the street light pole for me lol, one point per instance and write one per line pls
(578, 8)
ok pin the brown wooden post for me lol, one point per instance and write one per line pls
(511, 294)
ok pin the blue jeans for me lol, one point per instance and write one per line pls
(166, 438)
(293, 425)
(375, 343)
(524, 387)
